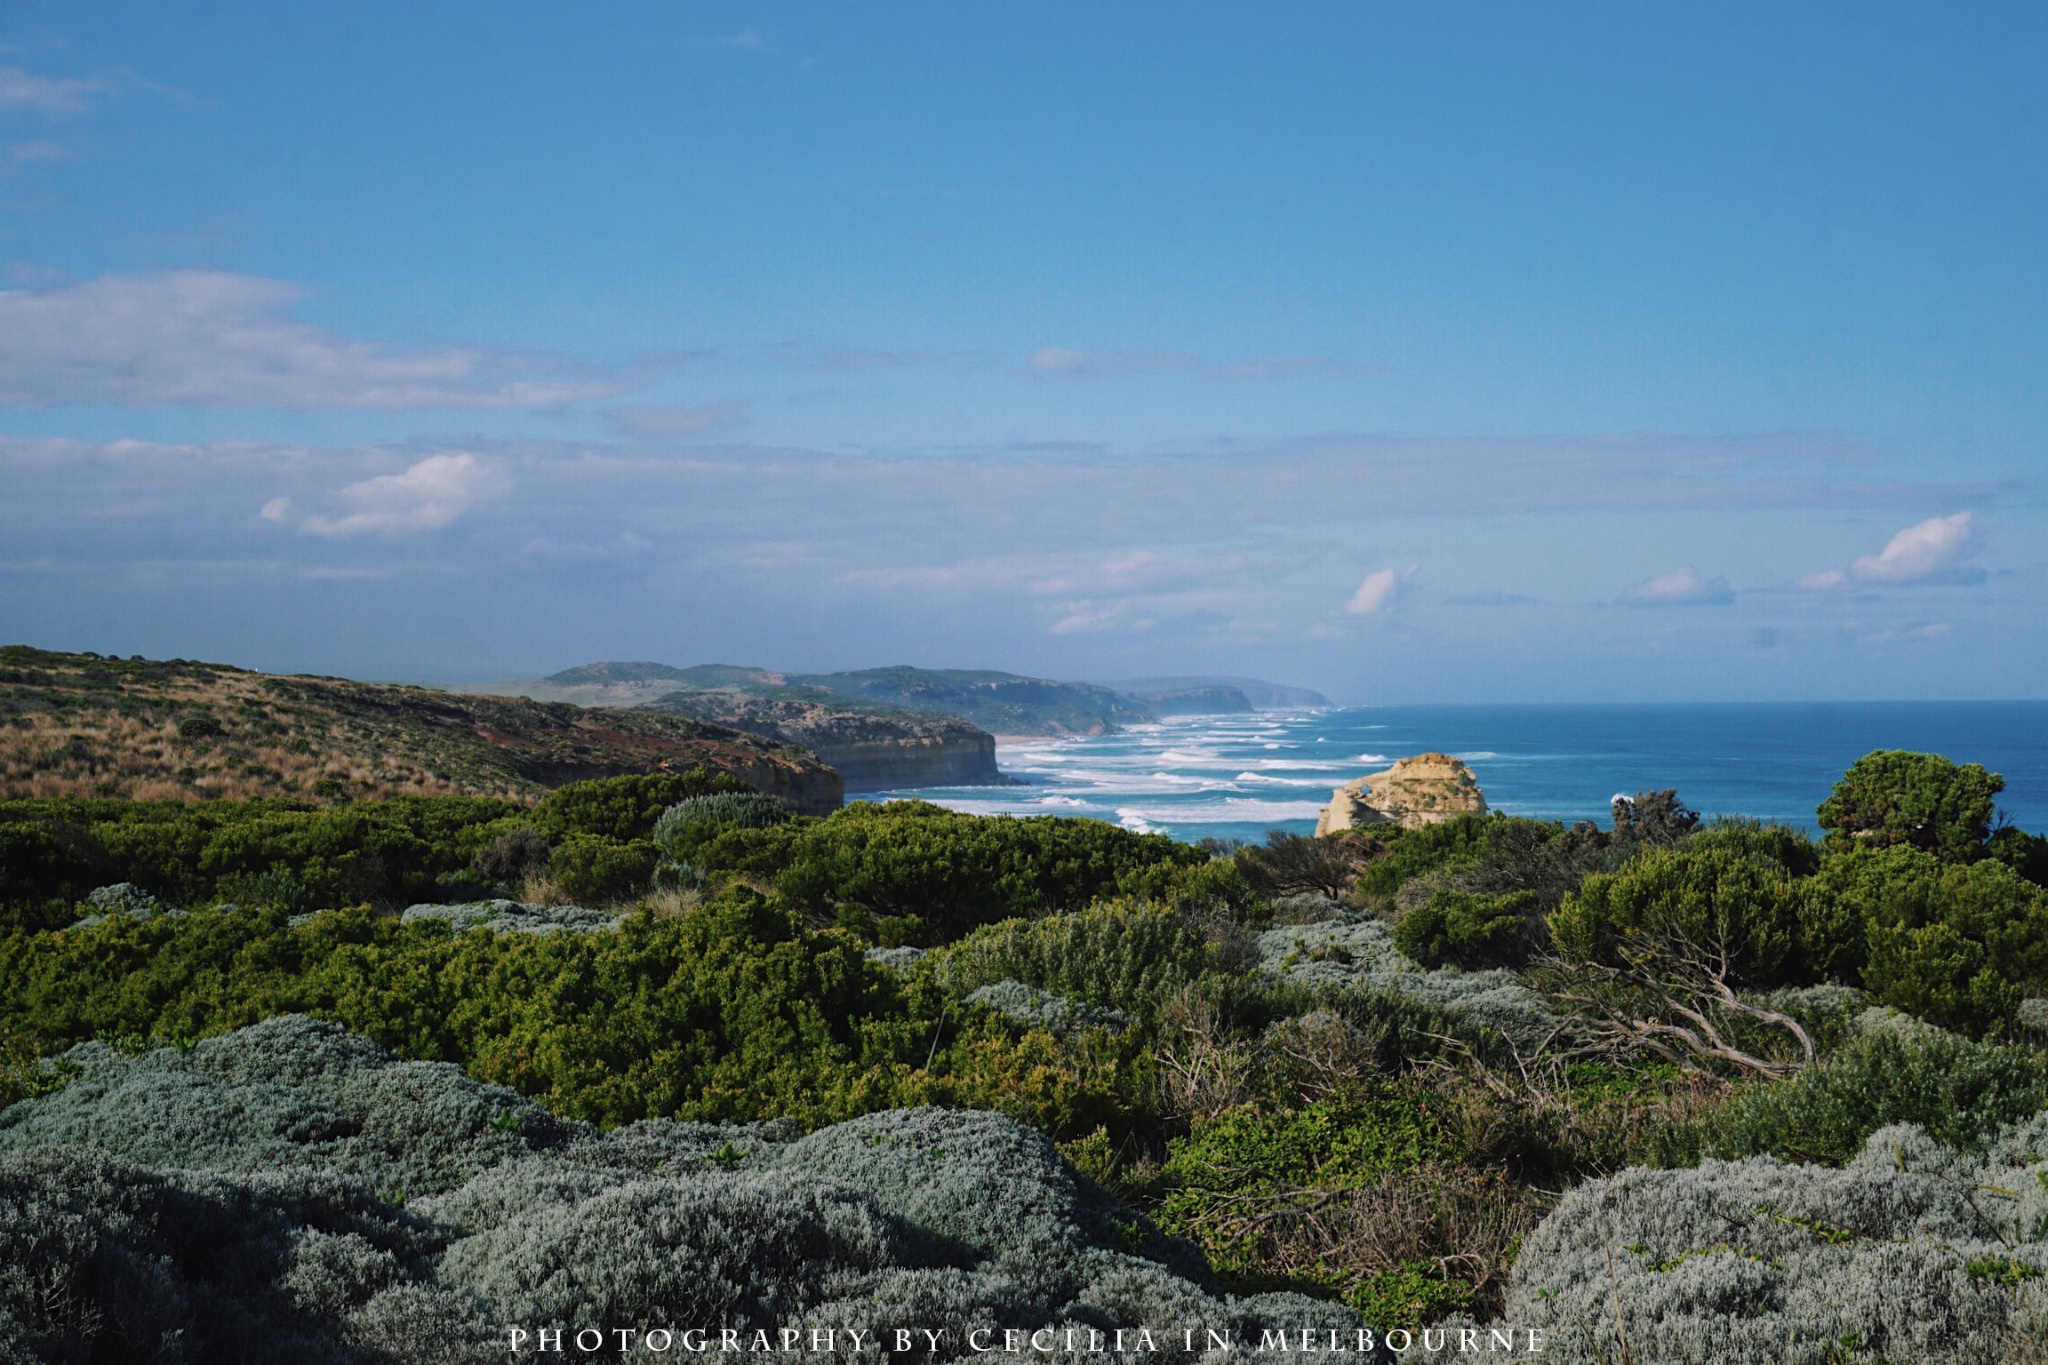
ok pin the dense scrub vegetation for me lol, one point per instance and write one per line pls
(1423, 1075)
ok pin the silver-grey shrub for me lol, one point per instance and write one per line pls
(510, 916)
(1912, 1251)
(292, 1192)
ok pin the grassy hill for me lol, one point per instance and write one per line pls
(1000, 703)
(86, 725)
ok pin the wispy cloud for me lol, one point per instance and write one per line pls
(28, 91)
(15, 155)
(1932, 551)
(1060, 362)
(1682, 587)
(658, 420)
(746, 40)
(197, 338)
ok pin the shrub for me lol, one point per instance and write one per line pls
(1890, 796)
(1958, 946)
(1117, 954)
(1912, 1252)
(626, 808)
(1709, 900)
(517, 1218)
(688, 823)
(1290, 865)
(1470, 931)
(1958, 1090)
(599, 870)
(512, 857)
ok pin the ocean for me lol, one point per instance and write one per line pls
(1240, 776)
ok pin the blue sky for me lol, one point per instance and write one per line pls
(1416, 353)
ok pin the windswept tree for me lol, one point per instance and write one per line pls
(1891, 796)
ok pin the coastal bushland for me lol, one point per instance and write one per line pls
(1419, 1076)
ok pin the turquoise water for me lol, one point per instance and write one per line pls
(1239, 776)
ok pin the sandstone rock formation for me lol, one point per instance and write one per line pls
(1414, 792)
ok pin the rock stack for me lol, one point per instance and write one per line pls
(1414, 792)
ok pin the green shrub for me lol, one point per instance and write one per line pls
(1413, 852)
(690, 822)
(1890, 796)
(1470, 931)
(626, 808)
(1958, 1090)
(951, 872)
(1958, 946)
(1699, 900)
(1117, 955)
(596, 870)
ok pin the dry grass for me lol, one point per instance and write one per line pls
(79, 725)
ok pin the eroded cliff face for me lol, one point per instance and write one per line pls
(875, 749)
(1417, 791)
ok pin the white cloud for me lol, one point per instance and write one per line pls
(201, 338)
(278, 510)
(1377, 592)
(657, 420)
(1682, 587)
(1932, 551)
(1927, 550)
(426, 497)
(26, 91)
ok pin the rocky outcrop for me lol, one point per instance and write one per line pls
(874, 748)
(1417, 791)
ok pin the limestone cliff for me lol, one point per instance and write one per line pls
(1414, 792)
(875, 748)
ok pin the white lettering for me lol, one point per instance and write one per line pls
(1218, 1341)
(693, 1340)
(623, 1333)
(931, 1336)
(1146, 1334)
(545, 1333)
(518, 1339)
(1433, 1346)
(856, 1338)
(1407, 1340)
(1273, 1341)
(903, 1341)
(729, 1339)
(1535, 1346)
(597, 1345)
(1042, 1332)
(974, 1345)
(816, 1332)
(1365, 1340)
(1010, 1335)
(668, 1339)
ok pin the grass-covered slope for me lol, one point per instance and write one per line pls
(290, 1193)
(83, 725)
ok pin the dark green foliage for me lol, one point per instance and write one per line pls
(1890, 796)
(512, 857)
(2024, 853)
(1474, 932)
(1693, 901)
(199, 725)
(1789, 848)
(1289, 865)
(948, 871)
(1653, 819)
(626, 808)
(1413, 852)
(1959, 1091)
(390, 853)
(591, 869)
(1958, 946)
